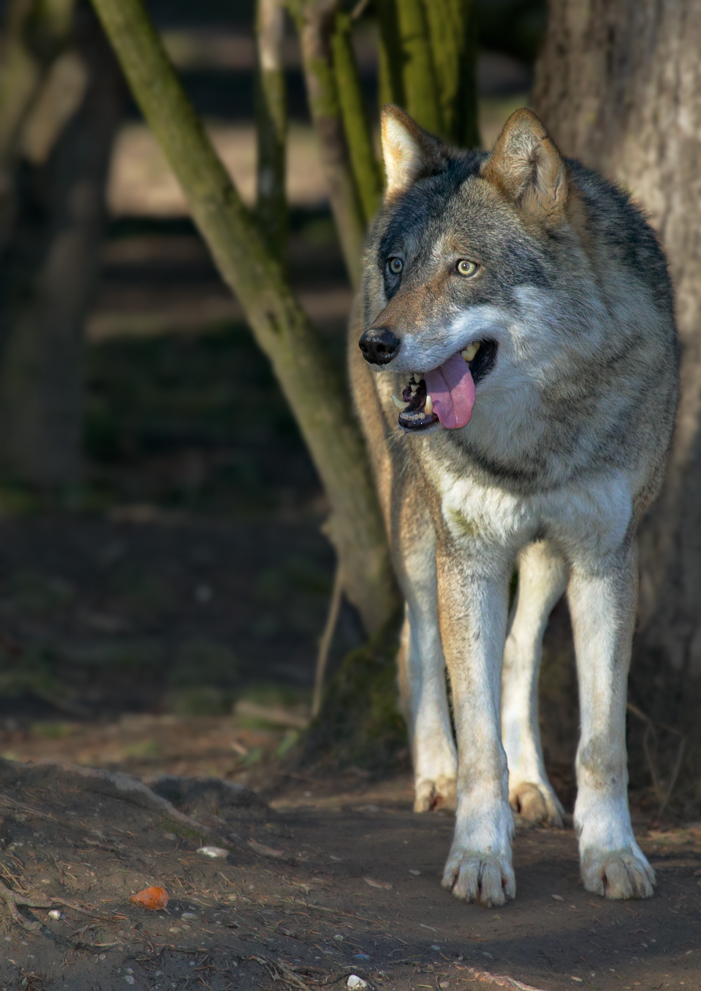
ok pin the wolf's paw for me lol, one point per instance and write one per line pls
(438, 794)
(536, 803)
(617, 873)
(483, 878)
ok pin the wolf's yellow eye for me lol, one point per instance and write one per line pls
(466, 267)
(395, 265)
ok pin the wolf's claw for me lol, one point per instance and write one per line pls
(481, 878)
(617, 873)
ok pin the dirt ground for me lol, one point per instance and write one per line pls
(329, 880)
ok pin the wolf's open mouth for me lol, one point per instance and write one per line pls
(446, 395)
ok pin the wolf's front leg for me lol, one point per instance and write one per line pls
(422, 673)
(542, 578)
(425, 704)
(602, 606)
(472, 604)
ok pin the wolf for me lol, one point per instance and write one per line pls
(514, 364)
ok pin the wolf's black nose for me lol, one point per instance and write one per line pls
(379, 345)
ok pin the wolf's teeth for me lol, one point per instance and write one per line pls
(469, 353)
(416, 378)
(399, 404)
(429, 406)
(413, 389)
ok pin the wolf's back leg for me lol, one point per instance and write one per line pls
(541, 582)
(422, 682)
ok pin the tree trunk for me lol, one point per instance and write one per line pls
(618, 85)
(49, 266)
(408, 74)
(453, 35)
(310, 381)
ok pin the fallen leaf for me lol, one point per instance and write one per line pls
(154, 899)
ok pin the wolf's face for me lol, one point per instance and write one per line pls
(461, 261)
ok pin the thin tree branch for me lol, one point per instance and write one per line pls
(326, 640)
(316, 23)
(271, 126)
(366, 170)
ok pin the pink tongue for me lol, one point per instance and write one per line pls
(452, 392)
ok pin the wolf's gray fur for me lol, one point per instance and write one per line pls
(574, 402)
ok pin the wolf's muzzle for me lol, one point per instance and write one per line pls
(379, 345)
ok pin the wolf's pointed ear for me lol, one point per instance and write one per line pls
(526, 165)
(408, 151)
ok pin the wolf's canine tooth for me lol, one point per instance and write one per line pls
(416, 377)
(469, 352)
(398, 403)
(429, 406)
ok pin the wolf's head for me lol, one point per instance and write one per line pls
(462, 239)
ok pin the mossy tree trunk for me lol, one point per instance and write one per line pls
(453, 42)
(428, 64)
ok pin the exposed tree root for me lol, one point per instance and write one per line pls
(14, 901)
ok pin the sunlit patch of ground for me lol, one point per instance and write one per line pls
(229, 747)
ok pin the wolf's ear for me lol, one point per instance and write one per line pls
(408, 151)
(528, 168)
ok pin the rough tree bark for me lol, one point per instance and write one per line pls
(617, 85)
(49, 262)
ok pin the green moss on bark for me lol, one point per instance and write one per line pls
(360, 723)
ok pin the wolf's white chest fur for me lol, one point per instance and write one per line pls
(586, 519)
